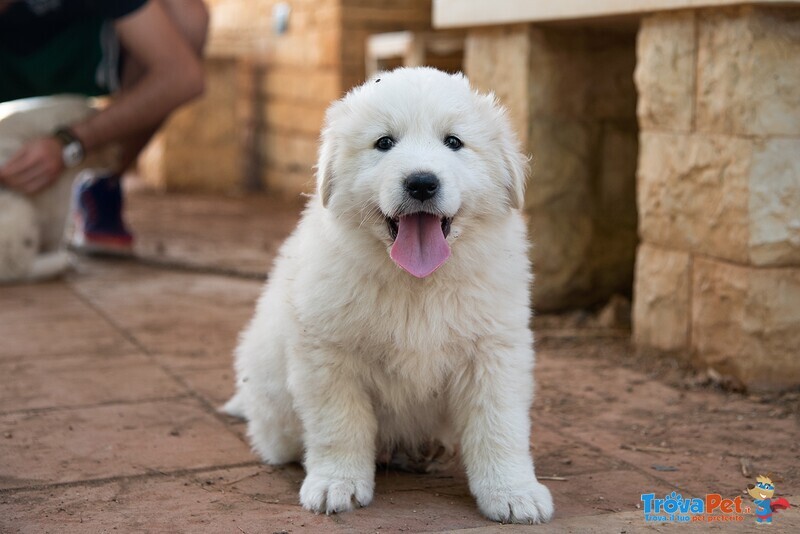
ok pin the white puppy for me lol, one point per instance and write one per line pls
(32, 227)
(397, 312)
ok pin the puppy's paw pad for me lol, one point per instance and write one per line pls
(333, 495)
(533, 504)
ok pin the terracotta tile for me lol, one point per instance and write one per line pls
(208, 231)
(416, 511)
(197, 503)
(175, 312)
(35, 383)
(216, 385)
(108, 441)
(50, 320)
(197, 359)
(617, 490)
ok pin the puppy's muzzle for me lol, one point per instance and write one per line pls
(422, 185)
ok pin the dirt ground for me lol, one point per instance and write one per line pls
(110, 379)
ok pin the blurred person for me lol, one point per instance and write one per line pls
(146, 54)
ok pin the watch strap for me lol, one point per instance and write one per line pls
(66, 136)
(72, 149)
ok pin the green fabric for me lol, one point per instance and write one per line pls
(67, 64)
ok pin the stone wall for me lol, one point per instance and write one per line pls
(262, 131)
(718, 272)
(362, 18)
(573, 102)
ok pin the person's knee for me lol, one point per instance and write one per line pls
(192, 18)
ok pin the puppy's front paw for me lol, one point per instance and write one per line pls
(332, 495)
(531, 504)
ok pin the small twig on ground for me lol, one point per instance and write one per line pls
(251, 475)
(645, 448)
(558, 479)
(747, 468)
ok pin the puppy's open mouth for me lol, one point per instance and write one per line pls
(420, 245)
(392, 223)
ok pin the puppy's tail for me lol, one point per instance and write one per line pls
(234, 407)
(50, 265)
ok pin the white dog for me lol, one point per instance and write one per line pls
(397, 312)
(32, 228)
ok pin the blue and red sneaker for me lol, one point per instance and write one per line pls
(99, 228)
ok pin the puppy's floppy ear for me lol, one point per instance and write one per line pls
(516, 166)
(325, 174)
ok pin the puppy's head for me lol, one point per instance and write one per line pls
(417, 158)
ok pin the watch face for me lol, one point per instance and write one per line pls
(72, 154)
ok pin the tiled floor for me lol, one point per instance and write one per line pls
(110, 379)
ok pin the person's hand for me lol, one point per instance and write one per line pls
(35, 166)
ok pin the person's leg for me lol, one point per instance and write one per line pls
(191, 18)
(99, 224)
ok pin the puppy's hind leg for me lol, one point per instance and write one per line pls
(275, 433)
(235, 406)
(262, 396)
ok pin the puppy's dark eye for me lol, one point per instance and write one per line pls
(384, 144)
(452, 142)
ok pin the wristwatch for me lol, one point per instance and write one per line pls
(72, 152)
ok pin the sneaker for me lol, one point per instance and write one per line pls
(99, 228)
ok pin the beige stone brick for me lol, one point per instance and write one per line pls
(295, 152)
(693, 193)
(661, 314)
(497, 60)
(728, 197)
(749, 71)
(301, 84)
(282, 116)
(318, 48)
(774, 203)
(746, 322)
(288, 183)
(558, 203)
(200, 147)
(665, 71)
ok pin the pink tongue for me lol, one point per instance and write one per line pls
(420, 247)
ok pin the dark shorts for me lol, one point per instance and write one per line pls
(83, 59)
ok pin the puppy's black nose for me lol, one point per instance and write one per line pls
(422, 185)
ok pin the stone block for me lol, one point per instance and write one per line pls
(661, 299)
(616, 188)
(294, 152)
(301, 84)
(693, 193)
(729, 197)
(200, 147)
(558, 204)
(283, 116)
(609, 66)
(289, 184)
(774, 203)
(746, 322)
(497, 60)
(571, 92)
(665, 71)
(748, 71)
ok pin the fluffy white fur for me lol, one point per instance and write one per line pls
(349, 357)
(32, 228)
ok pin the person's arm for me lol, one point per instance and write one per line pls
(173, 76)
